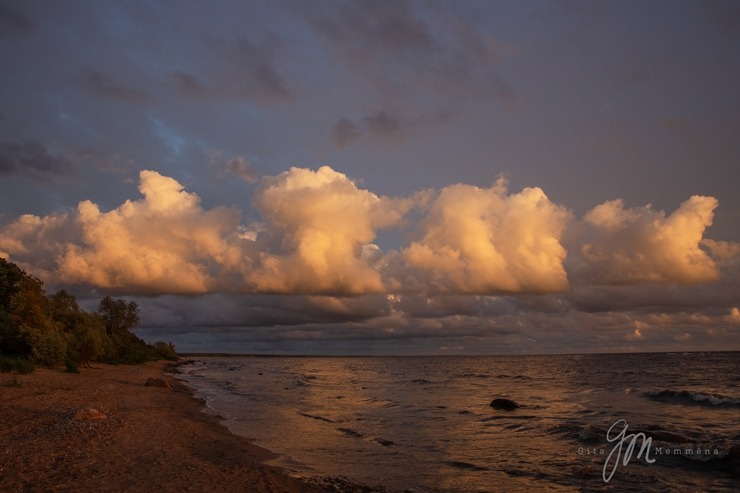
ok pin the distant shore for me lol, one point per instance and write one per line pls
(106, 430)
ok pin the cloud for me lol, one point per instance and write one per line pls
(248, 70)
(316, 237)
(481, 268)
(322, 226)
(239, 166)
(486, 241)
(344, 132)
(163, 243)
(33, 160)
(384, 127)
(634, 245)
(435, 50)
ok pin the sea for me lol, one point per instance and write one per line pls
(667, 422)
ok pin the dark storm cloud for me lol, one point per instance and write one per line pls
(33, 160)
(227, 312)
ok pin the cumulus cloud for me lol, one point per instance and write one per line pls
(485, 240)
(324, 226)
(632, 245)
(317, 236)
(165, 242)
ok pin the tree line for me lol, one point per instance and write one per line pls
(52, 330)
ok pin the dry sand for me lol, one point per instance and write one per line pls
(105, 430)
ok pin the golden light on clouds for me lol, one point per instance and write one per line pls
(318, 232)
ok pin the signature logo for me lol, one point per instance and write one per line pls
(624, 448)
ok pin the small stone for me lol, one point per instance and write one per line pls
(89, 414)
(157, 382)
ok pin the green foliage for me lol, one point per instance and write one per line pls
(14, 364)
(165, 350)
(48, 347)
(10, 278)
(119, 316)
(54, 330)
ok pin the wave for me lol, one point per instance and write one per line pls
(316, 417)
(350, 432)
(692, 397)
(457, 464)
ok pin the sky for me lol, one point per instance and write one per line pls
(381, 177)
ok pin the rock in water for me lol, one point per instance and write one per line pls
(157, 382)
(504, 404)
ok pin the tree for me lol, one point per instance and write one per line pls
(50, 330)
(11, 277)
(33, 331)
(88, 338)
(120, 316)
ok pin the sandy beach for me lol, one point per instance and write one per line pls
(106, 430)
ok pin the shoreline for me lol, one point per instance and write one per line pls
(106, 430)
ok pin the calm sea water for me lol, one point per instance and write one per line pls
(424, 424)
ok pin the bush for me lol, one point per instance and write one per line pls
(49, 347)
(12, 364)
(165, 350)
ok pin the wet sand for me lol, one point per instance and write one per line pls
(105, 430)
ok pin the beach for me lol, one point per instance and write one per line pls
(106, 430)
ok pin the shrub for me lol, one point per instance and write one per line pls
(13, 364)
(49, 347)
(165, 350)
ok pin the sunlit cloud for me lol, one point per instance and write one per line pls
(485, 240)
(322, 227)
(632, 245)
(465, 251)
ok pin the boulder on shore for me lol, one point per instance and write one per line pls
(89, 414)
(504, 404)
(157, 382)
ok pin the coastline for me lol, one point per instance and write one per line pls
(106, 430)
